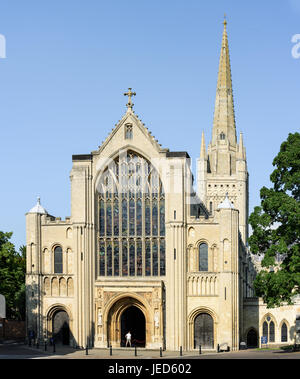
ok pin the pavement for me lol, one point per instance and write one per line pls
(17, 350)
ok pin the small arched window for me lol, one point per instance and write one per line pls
(128, 131)
(222, 136)
(58, 260)
(284, 332)
(203, 257)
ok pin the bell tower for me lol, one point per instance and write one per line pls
(222, 168)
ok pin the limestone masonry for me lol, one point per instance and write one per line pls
(143, 252)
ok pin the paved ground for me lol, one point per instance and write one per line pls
(21, 351)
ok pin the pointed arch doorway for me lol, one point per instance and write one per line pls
(252, 339)
(128, 314)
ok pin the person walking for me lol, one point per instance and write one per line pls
(128, 338)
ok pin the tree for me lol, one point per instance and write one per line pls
(12, 277)
(276, 229)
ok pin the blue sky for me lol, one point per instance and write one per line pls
(69, 62)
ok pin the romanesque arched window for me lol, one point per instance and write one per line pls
(203, 257)
(58, 260)
(131, 214)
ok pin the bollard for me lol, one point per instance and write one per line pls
(135, 351)
(160, 352)
(54, 348)
(110, 350)
(218, 348)
(45, 346)
(37, 344)
(86, 350)
(200, 352)
(181, 351)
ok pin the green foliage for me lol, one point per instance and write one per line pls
(276, 228)
(12, 277)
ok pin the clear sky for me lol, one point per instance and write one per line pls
(68, 63)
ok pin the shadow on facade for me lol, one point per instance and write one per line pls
(54, 328)
(251, 323)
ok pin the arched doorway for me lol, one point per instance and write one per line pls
(60, 327)
(252, 339)
(128, 314)
(133, 320)
(204, 331)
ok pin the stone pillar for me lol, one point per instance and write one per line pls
(229, 278)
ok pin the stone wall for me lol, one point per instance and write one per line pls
(12, 330)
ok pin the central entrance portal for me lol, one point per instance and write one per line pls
(128, 314)
(133, 320)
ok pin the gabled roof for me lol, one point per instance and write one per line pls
(131, 117)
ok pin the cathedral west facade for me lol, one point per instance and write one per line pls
(144, 252)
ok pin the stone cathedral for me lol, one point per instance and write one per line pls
(147, 252)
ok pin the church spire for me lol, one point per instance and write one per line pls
(224, 119)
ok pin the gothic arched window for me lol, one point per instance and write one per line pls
(128, 131)
(203, 257)
(265, 329)
(269, 329)
(284, 332)
(58, 260)
(131, 214)
(272, 331)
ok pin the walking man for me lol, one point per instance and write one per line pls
(128, 339)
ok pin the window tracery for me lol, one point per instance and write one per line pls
(131, 211)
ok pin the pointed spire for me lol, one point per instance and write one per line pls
(224, 119)
(203, 148)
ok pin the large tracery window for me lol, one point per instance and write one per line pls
(131, 209)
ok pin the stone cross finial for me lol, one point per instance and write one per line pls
(129, 94)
